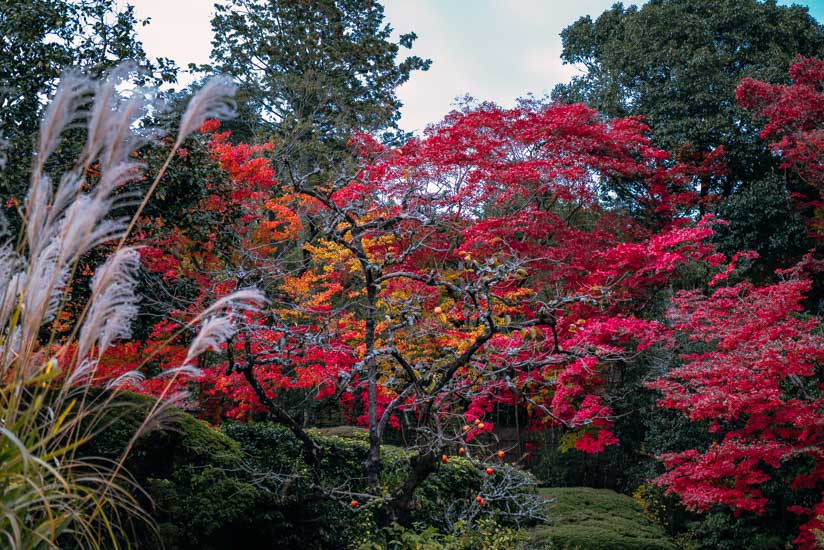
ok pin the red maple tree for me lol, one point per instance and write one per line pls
(793, 115)
(757, 381)
(481, 264)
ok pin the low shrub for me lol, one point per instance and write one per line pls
(597, 519)
(245, 485)
(198, 488)
(486, 533)
(445, 500)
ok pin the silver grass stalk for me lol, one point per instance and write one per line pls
(64, 226)
(122, 137)
(105, 102)
(212, 101)
(250, 299)
(11, 282)
(130, 379)
(114, 303)
(10, 348)
(102, 117)
(86, 226)
(187, 371)
(213, 333)
(217, 329)
(45, 282)
(82, 374)
(47, 407)
(67, 191)
(38, 204)
(65, 111)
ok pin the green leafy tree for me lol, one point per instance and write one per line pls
(38, 40)
(678, 62)
(763, 218)
(311, 73)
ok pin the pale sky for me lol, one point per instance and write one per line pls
(494, 50)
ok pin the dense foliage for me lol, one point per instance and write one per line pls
(435, 300)
(245, 485)
(768, 421)
(678, 63)
(311, 73)
(597, 519)
(617, 288)
(39, 40)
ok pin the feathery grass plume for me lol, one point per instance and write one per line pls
(249, 299)
(66, 110)
(50, 494)
(217, 329)
(113, 304)
(213, 333)
(126, 380)
(10, 268)
(212, 101)
(186, 371)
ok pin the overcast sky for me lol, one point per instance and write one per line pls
(495, 50)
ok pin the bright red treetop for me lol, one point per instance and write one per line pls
(476, 265)
(497, 273)
(793, 116)
(758, 384)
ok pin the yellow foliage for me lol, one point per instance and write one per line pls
(332, 256)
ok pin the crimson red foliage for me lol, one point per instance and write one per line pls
(793, 114)
(758, 383)
(498, 275)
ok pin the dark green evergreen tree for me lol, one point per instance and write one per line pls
(678, 63)
(312, 73)
(39, 39)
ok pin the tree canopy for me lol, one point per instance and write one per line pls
(615, 287)
(311, 73)
(38, 41)
(678, 63)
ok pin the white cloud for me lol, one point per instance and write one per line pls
(491, 49)
(544, 65)
(179, 29)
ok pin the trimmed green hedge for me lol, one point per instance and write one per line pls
(597, 519)
(200, 494)
(244, 486)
